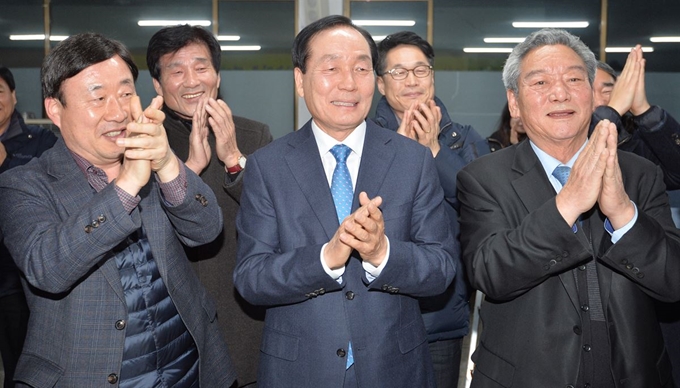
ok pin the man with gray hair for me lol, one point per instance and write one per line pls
(570, 239)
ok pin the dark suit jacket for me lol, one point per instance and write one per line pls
(287, 214)
(519, 251)
(240, 322)
(73, 287)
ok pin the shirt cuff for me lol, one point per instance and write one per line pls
(175, 190)
(373, 272)
(336, 274)
(617, 234)
(129, 202)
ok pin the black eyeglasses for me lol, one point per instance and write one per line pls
(419, 71)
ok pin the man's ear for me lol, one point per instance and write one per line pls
(53, 109)
(159, 90)
(298, 82)
(513, 106)
(381, 85)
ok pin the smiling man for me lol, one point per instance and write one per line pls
(570, 239)
(341, 229)
(97, 226)
(184, 62)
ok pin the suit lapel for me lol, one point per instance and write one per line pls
(73, 190)
(376, 159)
(534, 189)
(305, 165)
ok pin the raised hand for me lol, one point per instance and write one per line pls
(613, 200)
(405, 128)
(199, 148)
(425, 123)
(582, 190)
(365, 230)
(222, 124)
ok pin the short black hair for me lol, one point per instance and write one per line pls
(75, 54)
(402, 38)
(7, 76)
(169, 40)
(607, 69)
(301, 50)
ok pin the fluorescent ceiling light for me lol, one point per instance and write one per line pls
(379, 38)
(388, 23)
(241, 48)
(627, 49)
(550, 24)
(53, 38)
(504, 40)
(665, 39)
(487, 50)
(229, 38)
(163, 23)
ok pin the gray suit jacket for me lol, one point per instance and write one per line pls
(240, 322)
(287, 214)
(520, 252)
(72, 286)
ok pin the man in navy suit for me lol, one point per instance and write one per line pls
(96, 226)
(341, 290)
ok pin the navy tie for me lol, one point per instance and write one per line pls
(562, 174)
(341, 184)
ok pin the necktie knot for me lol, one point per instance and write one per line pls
(340, 152)
(562, 174)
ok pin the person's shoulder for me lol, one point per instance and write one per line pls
(494, 161)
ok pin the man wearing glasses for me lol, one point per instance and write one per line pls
(410, 107)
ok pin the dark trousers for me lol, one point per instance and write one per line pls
(13, 325)
(446, 356)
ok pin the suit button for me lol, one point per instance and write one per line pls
(629, 266)
(552, 262)
(582, 267)
(546, 267)
(112, 378)
(320, 291)
(394, 290)
(624, 261)
(95, 224)
(349, 295)
(586, 385)
(88, 228)
(577, 330)
(585, 307)
(120, 324)
(640, 275)
(565, 253)
(308, 295)
(586, 348)
(385, 287)
(101, 218)
(635, 269)
(341, 353)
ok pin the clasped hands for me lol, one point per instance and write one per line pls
(420, 122)
(146, 148)
(628, 93)
(596, 178)
(216, 115)
(364, 231)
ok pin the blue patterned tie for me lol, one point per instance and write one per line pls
(341, 184)
(343, 194)
(562, 174)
